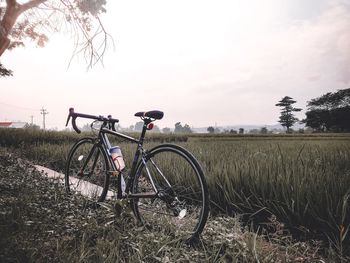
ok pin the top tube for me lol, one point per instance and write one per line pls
(115, 133)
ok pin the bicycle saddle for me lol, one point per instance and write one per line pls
(154, 114)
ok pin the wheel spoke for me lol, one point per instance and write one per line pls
(182, 195)
(87, 170)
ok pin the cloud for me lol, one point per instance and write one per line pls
(306, 57)
(318, 47)
(303, 60)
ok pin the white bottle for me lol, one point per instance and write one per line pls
(117, 157)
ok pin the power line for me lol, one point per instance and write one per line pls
(18, 107)
(43, 112)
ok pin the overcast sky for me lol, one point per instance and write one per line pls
(201, 62)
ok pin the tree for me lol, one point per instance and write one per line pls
(263, 130)
(178, 127)
(187, 129)
(241, 131)
(182, 129)
(210, 129)
(287, 118)
(329, 112)
(318, 119)
(43, 17)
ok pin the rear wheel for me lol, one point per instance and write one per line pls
(87, 170)
(181, 203)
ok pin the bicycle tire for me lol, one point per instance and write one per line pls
(91, 183)
(183, 207)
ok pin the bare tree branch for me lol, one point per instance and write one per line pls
(31, 4)
(43, 17)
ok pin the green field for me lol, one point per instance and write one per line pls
(302, 180)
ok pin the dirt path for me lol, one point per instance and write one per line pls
(83, 187)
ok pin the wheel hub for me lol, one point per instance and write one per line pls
(172, 202)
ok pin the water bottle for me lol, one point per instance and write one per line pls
(117, 157)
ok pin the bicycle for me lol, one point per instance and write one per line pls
(165, 185)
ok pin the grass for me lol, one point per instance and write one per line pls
(304, 183)
(301, 180)
(39, 222)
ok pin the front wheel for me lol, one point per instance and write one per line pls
(176, 178)
(87, 170)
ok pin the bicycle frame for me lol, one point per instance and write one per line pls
(150, 175)
(103, 141)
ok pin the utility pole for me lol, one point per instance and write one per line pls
(43, 112)
(31, 117)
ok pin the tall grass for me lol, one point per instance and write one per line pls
(29, 137)
(306, 184)
(302, 180)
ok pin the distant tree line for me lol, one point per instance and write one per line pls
(330, 112)
(327, 113)
(179, 128)
(213, 130)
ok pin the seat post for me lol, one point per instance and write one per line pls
(146, 121)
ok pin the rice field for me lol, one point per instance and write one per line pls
(303, 180)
